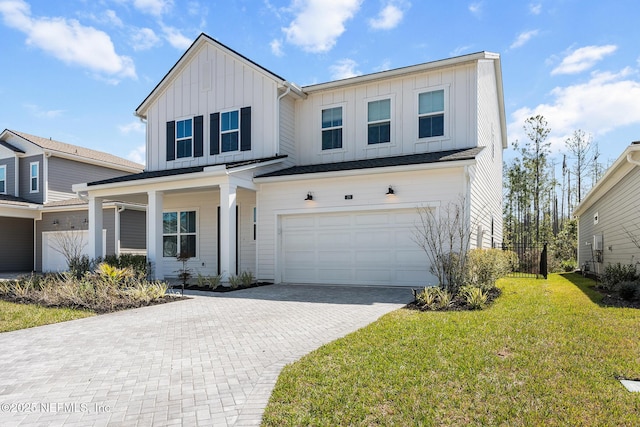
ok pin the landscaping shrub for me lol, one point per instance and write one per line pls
(628, 291)
(211, 282)
(475, 297)
(485, 266)
(569, 265)
(618, 273)
(427, 297)
(137, 263)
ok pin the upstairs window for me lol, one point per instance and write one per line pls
(379, 121)
(3, 179)
(332, 128)
(35, 177)
(229, 131)
(184, 138)
(431, 114)
(179, 234)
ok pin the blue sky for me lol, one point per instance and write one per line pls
(75, 70)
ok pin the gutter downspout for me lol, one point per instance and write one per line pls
(276, 143)
(631, 160)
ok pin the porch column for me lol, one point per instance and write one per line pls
(227, 230)
(95, 227)
(154, 233)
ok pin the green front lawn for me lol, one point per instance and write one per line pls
(545, 353)
(20, 316)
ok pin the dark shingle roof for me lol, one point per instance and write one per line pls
(13, 200)
(180, 171)
(381, 162)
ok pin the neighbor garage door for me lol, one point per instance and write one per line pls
(353, 248)
(56, 243)
(16, 244)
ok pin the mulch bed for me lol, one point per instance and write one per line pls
(612, 299)
(219, 288)
(458, 303)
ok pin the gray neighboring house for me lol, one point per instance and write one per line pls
(609, 216)
(39, 211)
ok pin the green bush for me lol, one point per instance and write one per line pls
(485, 266)
(569, 265)
(475, 297)
(628, 291)
(137, 263)
(618, 273)
(427, 297)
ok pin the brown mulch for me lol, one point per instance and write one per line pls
(612, 299)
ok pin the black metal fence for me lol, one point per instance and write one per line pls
(532, 259)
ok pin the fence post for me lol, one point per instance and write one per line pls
(543, 262)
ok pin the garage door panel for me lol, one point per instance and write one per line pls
(368, 248)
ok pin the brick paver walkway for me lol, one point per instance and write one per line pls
(211, 360)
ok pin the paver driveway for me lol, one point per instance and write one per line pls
(209, 360)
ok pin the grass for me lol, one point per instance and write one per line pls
(545, 353)
(15, 316)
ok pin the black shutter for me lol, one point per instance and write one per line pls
(245, 129)
(198, 150)
(214, 129)
(171, 140)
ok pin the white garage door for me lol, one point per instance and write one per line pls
(56, 243)
(361, 248)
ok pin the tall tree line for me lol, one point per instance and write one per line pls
(538, 202)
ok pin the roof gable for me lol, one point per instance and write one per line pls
(202, 40)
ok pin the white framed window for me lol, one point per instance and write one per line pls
(3, 179)
(255, 222)
(179, 234)
(229, 131)
(379, 121)
(332, 128)
(431, 113)
(184, 138)
(34, 170)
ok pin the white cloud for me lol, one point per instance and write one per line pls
(133, 127)
(535, 8)
(319, 23)
(41, 113)
(112, 17)
(176, 38)
(138, 155)
(606, 102)
(68, 40)
(276, 47)
(476, 8)
(523, 38)
(153, 7)
(460, 50)
(386, 65)
(344, 68)
(583, 58)
(144, 38)
(389, 17)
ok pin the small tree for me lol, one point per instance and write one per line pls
(445, 237)
(70, 244)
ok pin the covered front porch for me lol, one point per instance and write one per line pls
(207, 214)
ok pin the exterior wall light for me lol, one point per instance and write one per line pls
(309, 196)
(390, 191)
(55, 222)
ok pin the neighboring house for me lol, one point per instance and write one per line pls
(247, 171)
(609, 216)
(39, 210)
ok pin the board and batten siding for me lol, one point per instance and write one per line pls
(63, 173)
(16, 250)
(10, 177)
(459, 84)
(214, 81)
(412, 189)
(486, 179)
(617, 209)
(74, 220)
(206, 203)
(25, 178)
(133, 230)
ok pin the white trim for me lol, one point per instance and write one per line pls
(392, 127)
(4, 168)
(37, 177)
(175, 135)
(221, 132)
(446, 134)
(343, 106)
(17, 176)
(197, 232)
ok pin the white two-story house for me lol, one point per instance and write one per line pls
(247, 171)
